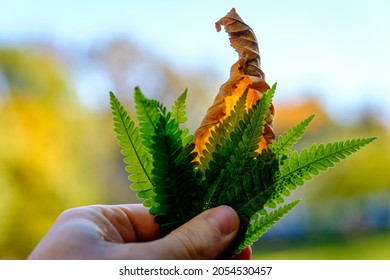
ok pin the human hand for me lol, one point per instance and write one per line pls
(129, 232)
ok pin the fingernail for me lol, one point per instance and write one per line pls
(225, 218)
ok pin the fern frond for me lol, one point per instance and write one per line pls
(237, 156)
(241, 151)
(254, 188)
(148, 112)
(249, 133)
(214, 156)
(261, 223)
(136, 157)
(222, 131)
(282, 146)
(178, 113)
(179, 108)
(173, 176)
(303, 166)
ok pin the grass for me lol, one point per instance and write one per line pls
(368, 247)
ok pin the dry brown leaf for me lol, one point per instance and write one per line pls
(244, 74)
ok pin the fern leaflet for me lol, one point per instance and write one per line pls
(261, 223)
(136, 158)
(148, 113)
(179, 114)
(179, 108)
(288, 139)
(249, 134)
(312, 161)
(238, 151)
(222, 131)
(172, 175)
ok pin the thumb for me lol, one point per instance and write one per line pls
(204, 237)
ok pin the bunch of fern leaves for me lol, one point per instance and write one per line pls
(160, 158)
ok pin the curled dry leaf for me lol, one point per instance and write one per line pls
(244, 74)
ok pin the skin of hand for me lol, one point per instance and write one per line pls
(129, 232)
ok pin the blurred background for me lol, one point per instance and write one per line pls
(58, 63)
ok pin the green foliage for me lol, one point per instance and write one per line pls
(262, 221)
(161, 161)
(222, 132)
(173, 176)
(179, 114)
(138, 161)
(282, 147)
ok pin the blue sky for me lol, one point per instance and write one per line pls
(338, 50)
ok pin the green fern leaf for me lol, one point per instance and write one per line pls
(173, 176)
(282, 146)
(148, 112)
(237, 154)
(222, 131)
(240, 151)
(136, 157)
(254, 188)
(179, 114)
(249, 135)
(214, 156)
(261, 223)
(179, 108)
(310, 162)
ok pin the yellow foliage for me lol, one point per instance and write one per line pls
(48, 161)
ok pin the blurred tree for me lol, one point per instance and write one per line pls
(47, 148)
